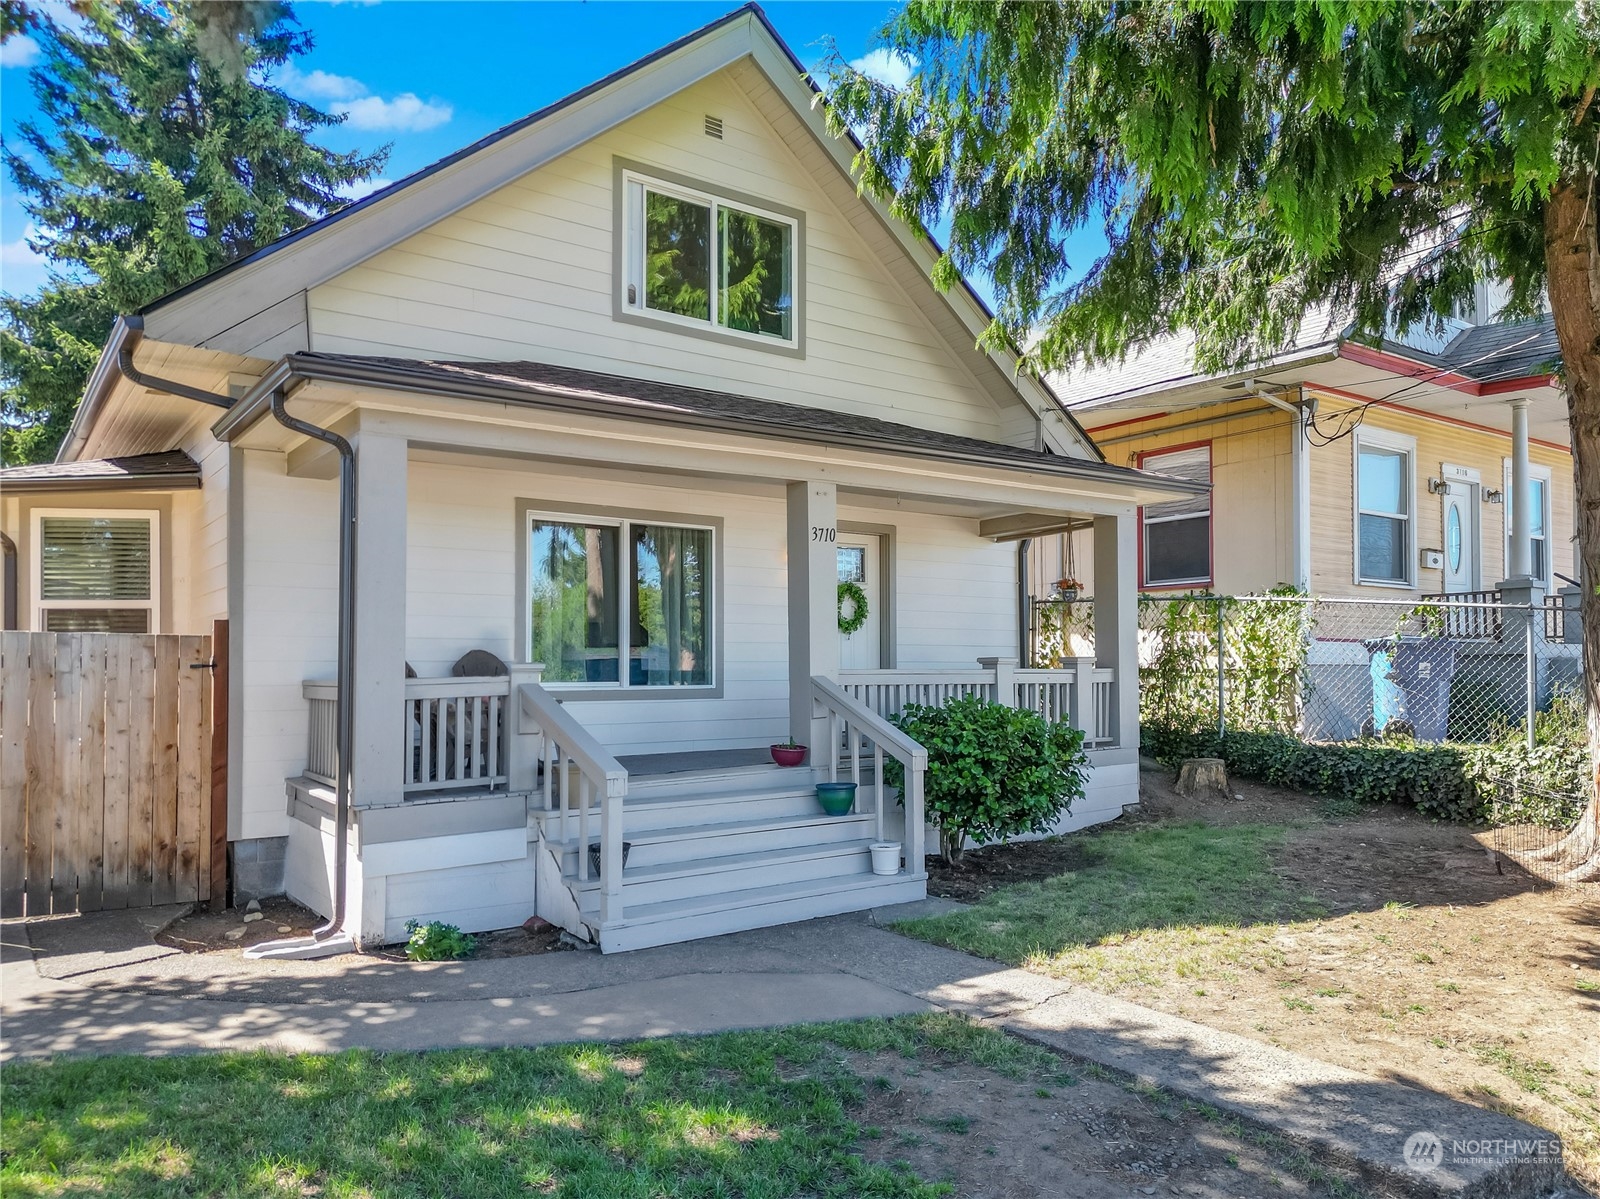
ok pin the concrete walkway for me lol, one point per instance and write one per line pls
(100, 986)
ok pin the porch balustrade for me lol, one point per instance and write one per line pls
(854, 730)
(1083, 694)
(456, 731)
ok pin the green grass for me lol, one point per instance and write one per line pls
(749, 1114)
(1193, 898)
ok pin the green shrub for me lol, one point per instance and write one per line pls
(437, 941)
(1501, 780)
(993, 771)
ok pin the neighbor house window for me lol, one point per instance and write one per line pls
(620, 603)
(698, 259)
(1177, 535)
(1384, 486)
(95, 572)
(1539, 518)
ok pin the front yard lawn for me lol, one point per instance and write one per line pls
(1377, 940)
(914, 1107)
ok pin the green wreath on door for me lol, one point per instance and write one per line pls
(857, 598)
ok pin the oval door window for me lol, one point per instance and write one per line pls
(1453, 537)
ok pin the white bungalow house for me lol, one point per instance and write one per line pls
(627, 389)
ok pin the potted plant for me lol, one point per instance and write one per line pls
(1068, 589)
(836, 798)
(788, 753)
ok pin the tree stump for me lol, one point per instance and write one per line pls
(1203, 778)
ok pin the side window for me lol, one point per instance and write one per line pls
(96, 572)
(1177, 535)
(1384, 534)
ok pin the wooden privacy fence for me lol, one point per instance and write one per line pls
(106, 788)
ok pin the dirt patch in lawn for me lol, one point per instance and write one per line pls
(204, 931)
(994, 1137)
(995, 866)
(1388, 943)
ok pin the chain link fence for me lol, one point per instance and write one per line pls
(1470, 671)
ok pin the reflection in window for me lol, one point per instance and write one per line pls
(669, 642)
(1383, 515)
(677, 256)
(852, 564)
(573, 590)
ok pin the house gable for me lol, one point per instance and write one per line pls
(261, 305)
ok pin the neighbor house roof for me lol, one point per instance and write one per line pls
(1498, 350)
(171, 470)
(594, 392)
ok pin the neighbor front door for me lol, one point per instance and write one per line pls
(860, 561)
(1461, 540)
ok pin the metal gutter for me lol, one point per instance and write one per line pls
(8, 574)
(185, 481)
(299, 366)
(95, 391)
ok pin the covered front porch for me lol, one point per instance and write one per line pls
(613, 778)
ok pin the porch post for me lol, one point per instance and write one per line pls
(1116, 619)
(1521, 564)
(378, 756)
(813, 531)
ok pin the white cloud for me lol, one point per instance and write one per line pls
(357, 191)
(887, 67)
(19, 51)
(343, 94)
(21, 269)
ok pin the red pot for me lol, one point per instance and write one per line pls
(788, 755)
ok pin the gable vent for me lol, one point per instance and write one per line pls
(714, 127)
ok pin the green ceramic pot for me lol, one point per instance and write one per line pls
(836, 798)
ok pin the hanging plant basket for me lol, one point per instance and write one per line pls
(852, 596)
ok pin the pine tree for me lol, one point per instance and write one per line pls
(1250, 161)
(159, 155)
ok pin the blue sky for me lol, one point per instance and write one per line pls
(430, 76)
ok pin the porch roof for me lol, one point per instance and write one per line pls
(171, 470)
(597, 393)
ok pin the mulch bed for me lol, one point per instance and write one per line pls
(995, 866)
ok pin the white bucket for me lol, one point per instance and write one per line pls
(886, 857)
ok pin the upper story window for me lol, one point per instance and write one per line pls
(95, 572)
(1176, 535)
(702, 260)
(1385, 484)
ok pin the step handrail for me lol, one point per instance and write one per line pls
(566, 740)
(857, 718)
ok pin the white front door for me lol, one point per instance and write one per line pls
(1461, 540)
(861, 561)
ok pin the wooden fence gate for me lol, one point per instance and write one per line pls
(106, 771)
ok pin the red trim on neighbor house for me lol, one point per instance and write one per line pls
(1357, 398)
(1132, 420)
(1411, 369)
(1211, 520)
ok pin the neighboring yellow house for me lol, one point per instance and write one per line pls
(1340, 468)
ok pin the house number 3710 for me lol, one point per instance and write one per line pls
(824, 533)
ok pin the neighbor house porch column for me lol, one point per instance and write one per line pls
(1116, 617)
(378, 755)
(1520, 564)
(813, 552)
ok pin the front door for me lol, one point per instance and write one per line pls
(860, 561)
(1461, 540)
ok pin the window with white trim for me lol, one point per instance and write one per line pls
(95, 572)
(695, 259)
(1540, 479)
(620, 603)
(1177, 534)
(1385, 529)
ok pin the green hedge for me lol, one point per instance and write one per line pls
(1470, 783)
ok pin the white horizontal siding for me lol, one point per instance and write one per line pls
(527, 273)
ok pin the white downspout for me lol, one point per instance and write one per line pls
(1300, 480)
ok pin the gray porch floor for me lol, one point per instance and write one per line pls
(697, 761)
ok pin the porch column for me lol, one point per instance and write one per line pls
(378, 756)
(1116, 617)
(813, 603)
(1520, 565)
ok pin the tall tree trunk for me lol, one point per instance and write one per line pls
(1572, 256)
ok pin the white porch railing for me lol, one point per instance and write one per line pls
(455, 729)
(1082, 694)
(853, 728)
(576, 769)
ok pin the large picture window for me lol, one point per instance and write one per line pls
(620, 603)
(1177, 535)
(95, 572)
(694, 258)
(1384, 475)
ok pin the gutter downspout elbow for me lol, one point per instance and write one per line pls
(138, 378)
(344, 711)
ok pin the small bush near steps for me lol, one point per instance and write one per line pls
(437, 941)
(993, 771)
